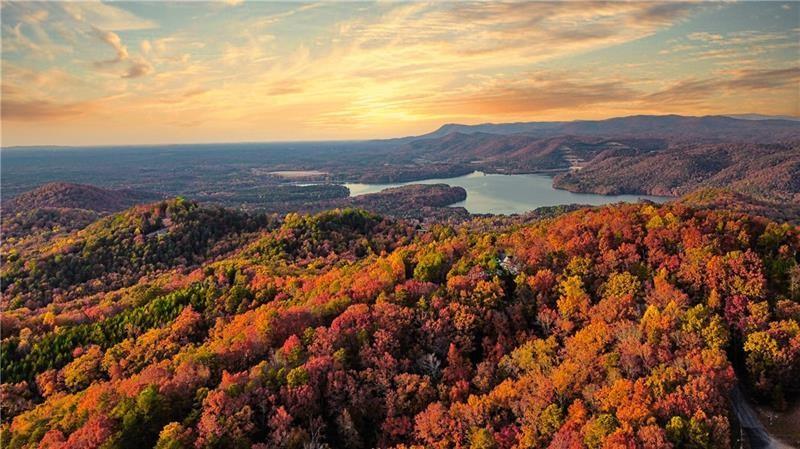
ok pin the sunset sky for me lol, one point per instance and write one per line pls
(87, 73)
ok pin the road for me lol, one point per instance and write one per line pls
(754, 431)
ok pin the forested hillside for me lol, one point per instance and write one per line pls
(66, 195)
(117, 250)
(619, 326)
(57, 208)
(765, 171)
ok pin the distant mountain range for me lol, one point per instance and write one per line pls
(748, 127)
(646, 154)
(661, 155)
(765, 117)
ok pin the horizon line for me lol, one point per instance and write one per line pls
(735, 116)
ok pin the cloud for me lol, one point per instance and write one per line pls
(51, 79)
(138, 68)
(693, 91)
(271, 19)
(17, 105)
(765, 79)
(527, 31)
(35, 16)
(559, 93)
(245, 55)
(29, 38)
(40, 110)
(339, 69)
(733, 47)
(706, 37)
(113, 40)
(106, 16)
(540, 93)
(662, 13)
(689, 91)
(287, 88)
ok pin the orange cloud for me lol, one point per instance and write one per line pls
(374, 70)
(113, 40)
(42, 110)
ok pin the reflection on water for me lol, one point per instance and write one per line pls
(509, 194)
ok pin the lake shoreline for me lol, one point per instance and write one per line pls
(546, 172)
(498, 193)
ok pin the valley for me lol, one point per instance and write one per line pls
(639, 155)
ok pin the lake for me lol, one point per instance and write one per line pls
(509, 194)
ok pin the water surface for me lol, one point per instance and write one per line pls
(509, 194)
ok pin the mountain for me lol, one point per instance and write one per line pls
(414, 201)
(120, 249)
(78, 196)
(420, 201)
(244, 175)
(618, 326)
(764, 117)
(728, 199)
(496, 128)
(180, 324)
(767, 171)
(673, 127)
(517, 152)
(658, 155)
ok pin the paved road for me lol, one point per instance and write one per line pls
(756, 433)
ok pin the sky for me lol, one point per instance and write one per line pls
(98, 73)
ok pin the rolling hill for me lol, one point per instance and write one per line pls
(77, 196)
(766, 171)
(657, 155)
(618, 326)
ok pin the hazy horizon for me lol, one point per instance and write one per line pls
(134, 73)
(345, 140)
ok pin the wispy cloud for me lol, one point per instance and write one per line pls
(105, 16)
(260, 70)
(18, 106)
(113, 40)
(42, 110)
(138, 68)
(692, 91)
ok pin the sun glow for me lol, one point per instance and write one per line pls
(142, 72)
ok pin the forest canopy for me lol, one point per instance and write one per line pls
(619, 326)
